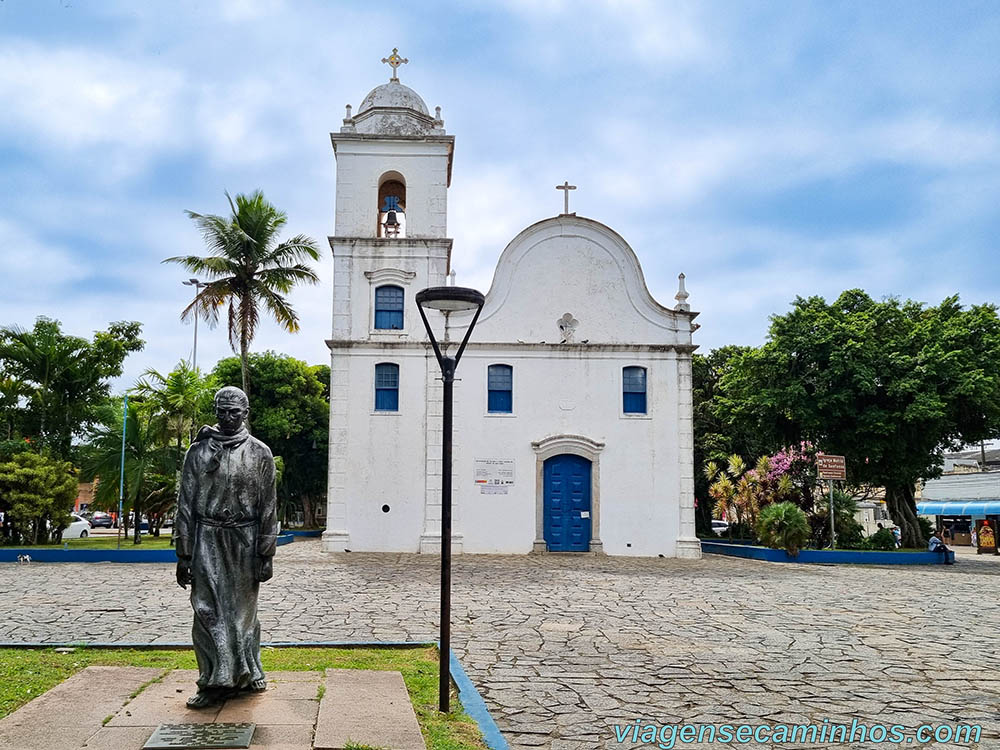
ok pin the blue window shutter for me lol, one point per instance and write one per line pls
(386, 387)
(500, 386)
(389, 308)
(634, 390)
(501, 401)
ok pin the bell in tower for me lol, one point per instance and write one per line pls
(392, 218)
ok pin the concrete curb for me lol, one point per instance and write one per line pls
(469, 697)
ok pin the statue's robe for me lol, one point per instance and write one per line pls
(226, 522)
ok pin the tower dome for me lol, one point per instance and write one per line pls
(393, 109)
(393, 95)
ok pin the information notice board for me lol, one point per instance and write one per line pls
(494, 476)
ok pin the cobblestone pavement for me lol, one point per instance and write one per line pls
(564, 647)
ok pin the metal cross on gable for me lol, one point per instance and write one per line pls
(394, 60)
(566, 187)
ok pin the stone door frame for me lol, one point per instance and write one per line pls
(578, 445)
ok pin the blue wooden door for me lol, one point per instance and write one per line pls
(567, 503)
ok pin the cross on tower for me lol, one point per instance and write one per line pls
(566, 187)
(395, 61)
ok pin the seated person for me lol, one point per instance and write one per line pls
(934, 544)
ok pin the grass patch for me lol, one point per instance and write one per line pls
(27, 673)
(105, 542)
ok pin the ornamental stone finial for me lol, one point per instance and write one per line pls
(681, 296)
(394, 61)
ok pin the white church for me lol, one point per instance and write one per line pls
(572, 407)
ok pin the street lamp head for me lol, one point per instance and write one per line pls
(191, 282)
(450, 298)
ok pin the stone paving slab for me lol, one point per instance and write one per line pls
(562, 648)
(367, 708)
(71, 712)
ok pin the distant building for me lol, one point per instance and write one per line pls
(84, 496)
(962, 501)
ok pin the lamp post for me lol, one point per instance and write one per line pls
(197, 289)
(447, 299)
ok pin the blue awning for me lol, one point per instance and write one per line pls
(959, 507)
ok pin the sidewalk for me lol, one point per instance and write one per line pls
(119, 708)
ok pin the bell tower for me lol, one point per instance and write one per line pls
(393, 172)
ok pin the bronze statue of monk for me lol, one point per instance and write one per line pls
(225, 532)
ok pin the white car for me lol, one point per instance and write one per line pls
(720, 527)
(79, 528)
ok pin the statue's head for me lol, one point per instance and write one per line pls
(231, 409)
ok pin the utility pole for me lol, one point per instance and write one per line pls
(197, 289)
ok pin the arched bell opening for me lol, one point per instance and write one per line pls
(392, 206)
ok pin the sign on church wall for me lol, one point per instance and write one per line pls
(493, 475)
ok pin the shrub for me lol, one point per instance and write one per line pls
(783, 525)
(883, 539)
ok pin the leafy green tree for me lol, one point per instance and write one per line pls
(64, 379)
(714, 438)
(248, 269)
(890, 385)
(36, 494)
(148, 463)
(290, 411)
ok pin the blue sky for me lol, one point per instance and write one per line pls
(766, 150)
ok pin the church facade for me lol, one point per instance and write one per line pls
(572, 411)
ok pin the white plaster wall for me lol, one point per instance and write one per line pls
(421, 263)
(361, 163)
(579, 394)
(384, 456)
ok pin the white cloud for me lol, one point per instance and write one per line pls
(78, 97)
(30, 265)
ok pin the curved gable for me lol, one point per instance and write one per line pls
(576, 266)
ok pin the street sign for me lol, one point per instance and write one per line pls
(831, 467)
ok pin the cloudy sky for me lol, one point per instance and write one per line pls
(767, 150)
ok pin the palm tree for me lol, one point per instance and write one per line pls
(146, 462)
(176, 396)
(12, 390)
(248, 269)
(47, 363)
(722, 490)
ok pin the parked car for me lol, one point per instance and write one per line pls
(101, 519)
(79, 528)
(720, 527)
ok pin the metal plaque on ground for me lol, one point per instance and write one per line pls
(200, 736)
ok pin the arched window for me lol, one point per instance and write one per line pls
(634, 390)
(500, 385)
(386, 387)
(392, 206)
(389, 308)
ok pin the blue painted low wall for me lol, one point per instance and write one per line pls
(828, 556)
(304, 532)
(724, 540)
(129, 553)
